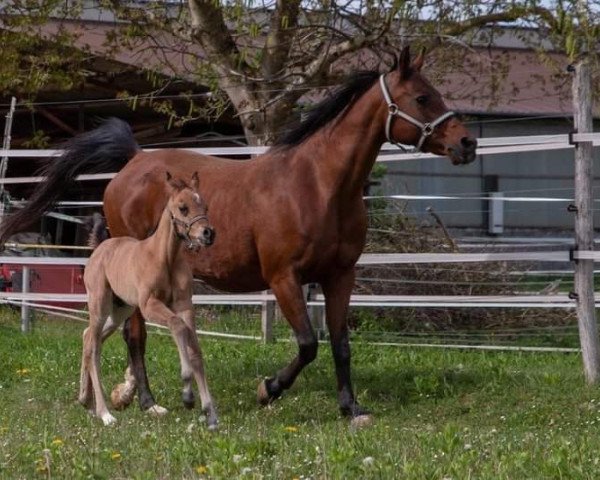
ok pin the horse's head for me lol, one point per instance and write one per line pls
(189, 212)
(418, 116)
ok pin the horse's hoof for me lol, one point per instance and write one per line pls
(122, 396)
(362, 421)
(262, 394)
(213, 426)
(108, 419)
(157, 411)
(188, 400)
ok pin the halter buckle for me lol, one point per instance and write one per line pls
(427, 129)
(393, 109)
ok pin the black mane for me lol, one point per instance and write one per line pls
(329, 108)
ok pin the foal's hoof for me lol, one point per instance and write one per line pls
(157, 411)
(108, 419)
(361, 421)
(188, 400)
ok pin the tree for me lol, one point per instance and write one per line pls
(261, 58)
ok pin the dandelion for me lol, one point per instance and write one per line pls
(237, 458)
(246, 471)
(23, 371)
(57, 442)
(115, 456)
(201, 469)
(291, 428)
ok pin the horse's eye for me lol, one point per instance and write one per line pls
(422, 99)
(184, 210)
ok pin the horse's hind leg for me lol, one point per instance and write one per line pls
(134, 333)
(195, 358)
(289, 295)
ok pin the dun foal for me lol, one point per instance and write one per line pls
(124, 273)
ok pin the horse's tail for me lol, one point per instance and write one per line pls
(107, 148)
(98, 230)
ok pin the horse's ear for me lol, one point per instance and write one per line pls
(195, 181)
(417, 63)
(404, 63)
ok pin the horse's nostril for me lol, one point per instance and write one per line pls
(208, 233)
(468, 143)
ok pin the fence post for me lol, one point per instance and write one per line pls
(25, 310)
(584, 223)
(267, 317)
(316, 313)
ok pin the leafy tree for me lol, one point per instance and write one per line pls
(261, 57)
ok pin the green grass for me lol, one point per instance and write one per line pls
(439, 414)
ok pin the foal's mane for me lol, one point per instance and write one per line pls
(329, 108)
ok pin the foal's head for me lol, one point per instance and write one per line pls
(189, 212)
(440, 132)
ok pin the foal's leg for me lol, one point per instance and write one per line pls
(158, 312)
(85, 381)
(186, 312)
(337, 290)
(92, 344)
(288, 292)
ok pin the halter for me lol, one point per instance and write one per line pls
(187, 226)
(394, 111)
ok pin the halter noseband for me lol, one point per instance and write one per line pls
(394, 111)
(187, 227)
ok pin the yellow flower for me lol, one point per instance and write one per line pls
(115, 456)
(57, 442)
(201, 469)
(291, 429)
(41, 465)
(23, 371)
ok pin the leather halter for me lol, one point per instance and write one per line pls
(187, 227)
(394, 111)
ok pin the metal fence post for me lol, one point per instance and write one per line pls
(25, 310)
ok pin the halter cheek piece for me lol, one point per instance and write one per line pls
(187, 227)
(394, 111)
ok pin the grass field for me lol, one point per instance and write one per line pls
(439, 414)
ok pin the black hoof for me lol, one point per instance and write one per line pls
(188, 400)
(266, 394)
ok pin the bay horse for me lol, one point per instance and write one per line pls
(291, 216)
(124, 273)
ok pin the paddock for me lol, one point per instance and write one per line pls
(443, 408)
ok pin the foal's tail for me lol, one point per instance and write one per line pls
(106, 149)
(98, 230)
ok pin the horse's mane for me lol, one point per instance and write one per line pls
(329, 108)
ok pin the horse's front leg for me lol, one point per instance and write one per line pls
(134, 333)
(337, 290)
(288, 291)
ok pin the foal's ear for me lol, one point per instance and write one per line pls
(417, 63)
(195, 181)
(404, 63)
(172, 183)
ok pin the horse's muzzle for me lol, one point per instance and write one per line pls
(465, 152)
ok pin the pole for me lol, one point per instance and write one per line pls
(584, 223)
(6, 145)
(267, 317)
(25, 310)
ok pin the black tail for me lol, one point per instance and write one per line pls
(106, 149)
